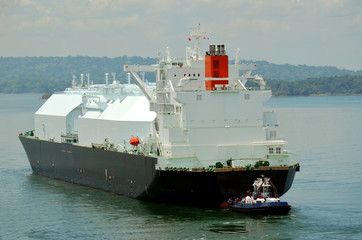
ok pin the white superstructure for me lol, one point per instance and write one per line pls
(199, 113)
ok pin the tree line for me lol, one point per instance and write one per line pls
(335, 85)
(51, 74)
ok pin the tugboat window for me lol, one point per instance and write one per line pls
(271, 150)
(278, 150)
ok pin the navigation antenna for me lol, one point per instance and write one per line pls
(197, 34)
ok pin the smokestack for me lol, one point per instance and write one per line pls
(212, 50)
(222, 50)
(217, 50)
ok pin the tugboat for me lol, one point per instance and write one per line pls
(263, 201)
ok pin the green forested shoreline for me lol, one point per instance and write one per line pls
(51, 74)
(336, 85)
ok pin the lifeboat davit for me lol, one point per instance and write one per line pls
(134, 141)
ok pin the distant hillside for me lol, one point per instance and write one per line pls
(49, 74)
(335, 85)
(298, 72)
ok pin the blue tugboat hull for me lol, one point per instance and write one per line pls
(270, 208)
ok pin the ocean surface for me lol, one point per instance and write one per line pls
(325, 132)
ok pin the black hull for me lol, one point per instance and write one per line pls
(135, 176)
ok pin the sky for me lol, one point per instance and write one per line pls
(311, 32)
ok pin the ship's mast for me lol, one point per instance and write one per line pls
(197, 34)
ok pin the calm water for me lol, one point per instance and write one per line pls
(325, 133)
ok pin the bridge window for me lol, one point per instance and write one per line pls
(278, 150)
(271, 150)
(247, 96)
(198, 97)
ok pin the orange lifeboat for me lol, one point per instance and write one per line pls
(134, 141)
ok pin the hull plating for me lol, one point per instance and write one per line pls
(135, 176)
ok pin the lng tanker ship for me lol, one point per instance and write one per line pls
(196, 134)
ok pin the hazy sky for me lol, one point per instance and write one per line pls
(311, 32)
